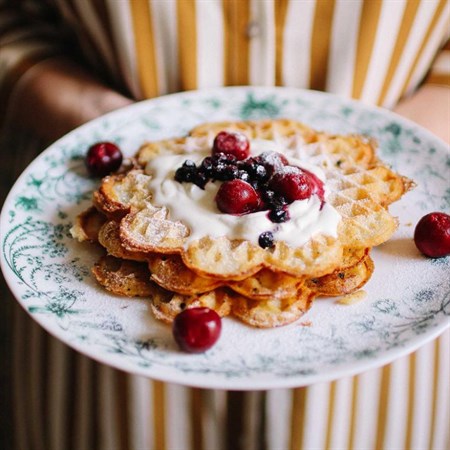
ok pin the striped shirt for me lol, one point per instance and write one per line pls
(374, 50)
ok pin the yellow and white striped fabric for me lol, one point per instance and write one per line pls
(374, 50)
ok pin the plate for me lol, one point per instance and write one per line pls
(407, 300)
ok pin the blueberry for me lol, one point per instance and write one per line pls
(268, 195)
(279, 215)
(255, 184)
(187, 172)
(225, 173)
(207, 165)
(200, 179)
(243, 175)
(278, 202)
(189, 164)
(266, 239)
(184, 174)
(260, 172)
(224, 158)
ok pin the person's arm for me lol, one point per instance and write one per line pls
(57, 95)
(429, 106)
(42, 87)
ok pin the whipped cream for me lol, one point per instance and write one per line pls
(197, 209)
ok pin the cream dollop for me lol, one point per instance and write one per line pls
(197, 209)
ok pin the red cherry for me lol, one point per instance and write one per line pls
(293, 184)
(237, 197)
(197, 329)
(432, 235)
(231, 143)
(273, 161)
(103, 158)
(317, 186)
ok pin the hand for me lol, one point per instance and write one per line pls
(430, 108)
(57, 95)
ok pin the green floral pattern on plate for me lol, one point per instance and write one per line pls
(408, 298)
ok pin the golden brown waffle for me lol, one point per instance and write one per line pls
(169, 272)
(87, 225)
(323, 149)
(382, 184)
(109, 237)
(361, 187)
(266, 285)
(343, 281)
(172, 274)
(273, 312)
(119, 194)
(151, 255)
(123, 277)
(166, 305)
(262, 314)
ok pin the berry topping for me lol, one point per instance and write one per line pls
(196, 329)
(103, 158)
(230, 143)
(226, 172)
(432, 235)
(237, 197)
(251, 183)
(187, 172)
(266, 240)
(243, 175)
(273, 161)
(317, 185)
(279, 215)
(293, 184)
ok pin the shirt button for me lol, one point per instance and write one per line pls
(253, 30)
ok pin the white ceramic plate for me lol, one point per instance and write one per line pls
(407, 301)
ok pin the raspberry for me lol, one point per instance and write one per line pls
(237, 197)
(432, 235)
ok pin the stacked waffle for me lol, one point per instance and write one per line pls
(150, 252)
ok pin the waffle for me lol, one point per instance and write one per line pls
(165, 305)
(119, 194)
(361, 188)
(343, 281)
(273, 312)
(87, 225)
(123, 277)
(150, 254)
(109, 237)
(172, 274)
(321, 148)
